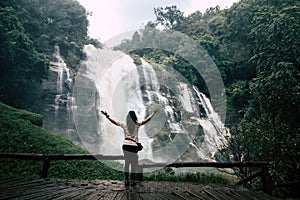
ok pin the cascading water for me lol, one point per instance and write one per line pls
(59, 101)
(213, 127)
(214, 132)
(116, 80)
(64, 80)
(153, 94)
(112, 82)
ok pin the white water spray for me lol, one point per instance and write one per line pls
(122, 86)
(214, 129)
(117, 82)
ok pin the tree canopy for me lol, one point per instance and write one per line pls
(22, 66)
(29, 31)
(168, 16)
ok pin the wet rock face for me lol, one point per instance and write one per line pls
(58, 100)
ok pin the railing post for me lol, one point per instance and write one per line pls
(266, 180)
(46, 165)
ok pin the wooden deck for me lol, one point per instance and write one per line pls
(18, 188)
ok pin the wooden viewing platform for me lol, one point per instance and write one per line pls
(18, 188)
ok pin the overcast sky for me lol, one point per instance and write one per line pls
(114, 17)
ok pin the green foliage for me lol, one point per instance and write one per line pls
(54, 22)
(168, 17)
(95, 42)
(22, 66)
(13, 113)
(19, 135)
(167, 174)
(136, 59)
(163, 136)
(266, 107)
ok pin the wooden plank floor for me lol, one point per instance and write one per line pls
(17, 188)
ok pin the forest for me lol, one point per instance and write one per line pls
(255, 45)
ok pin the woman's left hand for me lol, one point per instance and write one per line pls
(104, 113)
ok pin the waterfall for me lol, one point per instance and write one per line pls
(214, 132)
(112, 82)
(58, 101)
(153, 95)
(213, 127)
(116, 80)
(64, 81)
(185, 97)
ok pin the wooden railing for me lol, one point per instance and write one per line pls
(48, 157)
(264, 174)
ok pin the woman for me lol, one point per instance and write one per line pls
(130, 147)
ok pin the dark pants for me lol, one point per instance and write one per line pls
(131, 158)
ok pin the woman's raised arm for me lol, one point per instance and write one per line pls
(109, 118)
(148, 118)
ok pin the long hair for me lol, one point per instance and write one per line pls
(131, 120)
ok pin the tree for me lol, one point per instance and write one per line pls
(267, 128)
(22, 66)
(276, 54)
(54, 22)
(168, 16)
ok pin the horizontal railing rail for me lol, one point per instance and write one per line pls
(29, 156)
(207, 164)
(48, 157)
(264, 174)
